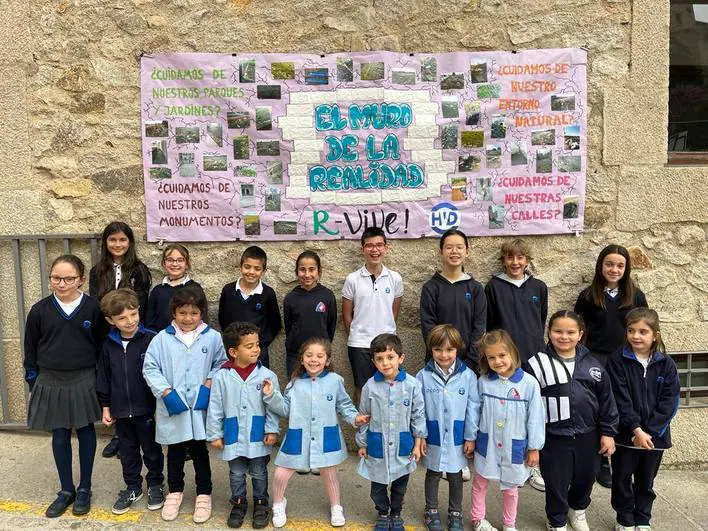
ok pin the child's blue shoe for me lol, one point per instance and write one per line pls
(454, 521)
(382, 523)
(397, 523)
(432, 520)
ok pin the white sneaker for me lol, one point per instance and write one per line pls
(578, 520)
(279, 518)
(315, 471)
(466, 474)
(620, 527)
(549, 527)
(536, 480)
(507, 528)
(337, 516)
(643, 528)
(303, 471)
(483, 525)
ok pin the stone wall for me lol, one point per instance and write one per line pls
(71, 138)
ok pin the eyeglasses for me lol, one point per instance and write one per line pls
(175, 260)
(371, 246)
(68, 281)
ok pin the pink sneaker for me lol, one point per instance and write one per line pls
(170, 510)
(202, 508)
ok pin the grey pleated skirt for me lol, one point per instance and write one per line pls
(63, 399)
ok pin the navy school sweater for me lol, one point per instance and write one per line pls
(520, 310)
(605, 331)
(461, 304)
(119, 382)
(650, 401)
(139, 281)
(260, 309)
(158, 310)
(576, 403)
(308, 314)
(61, 342)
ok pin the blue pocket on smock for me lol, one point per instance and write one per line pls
(405, 443)
(518, 451)
(481, 443)
(331, 441)
(174, 403)
(458, 432)
(257, 428)
(292, 445)
(374, 443)
(433, 432)
(230, 430)
(202, 398)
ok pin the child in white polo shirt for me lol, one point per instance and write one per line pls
(371, 299)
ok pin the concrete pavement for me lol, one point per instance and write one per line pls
(30, 482)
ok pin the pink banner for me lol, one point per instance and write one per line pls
(297, 146)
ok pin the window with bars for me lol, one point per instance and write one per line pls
(693, 372)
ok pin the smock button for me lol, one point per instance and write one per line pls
(499, 445)
(500, 424)
(501, 402)
(312, 439)
(313, 418)
(390, 444)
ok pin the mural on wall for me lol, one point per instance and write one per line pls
(288, 147)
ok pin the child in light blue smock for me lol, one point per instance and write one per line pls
(511, 428)
(312, 401)
(239, 425)
(179, 365)
(390, 445)
(452, 414)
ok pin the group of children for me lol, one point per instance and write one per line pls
(491, 390)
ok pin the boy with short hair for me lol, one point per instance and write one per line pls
(239, 424)
(390, 445)
(371, 299)
(250, 300)
(127, 400)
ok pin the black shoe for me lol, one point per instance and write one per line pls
(261, 514)
(396, 523)
(126, 498)
(238, 512)
(61, 504)
(156, 497)
(111, 449)
(604, 476)
(383, 523)
(82, 504)
(187, 455)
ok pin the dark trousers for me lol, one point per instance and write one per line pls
(432, 485)
(134, 434)
(568, 466)
(61, 448)
(379, 494)
(633, 473)
(257, 468)
(362, 366)
(264, 358)
(176, 454)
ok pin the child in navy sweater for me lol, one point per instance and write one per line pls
(250, 300)
(127, 401)
(646, 386)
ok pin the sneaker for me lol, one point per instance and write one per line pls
(643, 528)
(238, 512)
(170, 509)
(82, 503)
(466, 474)
(111, 449)
(432, 520)
(61, 504)
(315, 471)
(578, 520)
(536, 480)
(303, 471)
(454, 521)
(507, 528)
(604, 476)
(549, 527)
(156, 497)
(483, 525)
(126, 498)
(382, 523)
(279, 517)
(261, 514)
(620, 527)
(396, 523)
(202, 508)
(336, 517)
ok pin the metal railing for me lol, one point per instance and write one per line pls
(692, 395)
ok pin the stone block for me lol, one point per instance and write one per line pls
(304, 157)
(71, 187)
(308, 145)
(297, 192)
(297, 169)
(305, 109)
(418, 143)
(323, 198)
(76, 78)
(294, 133)
(360, 94)
(425, 108)
(358, 198)
(427, 155)
(424, 119)
(296, 121)
(423, 131)
(639, 258)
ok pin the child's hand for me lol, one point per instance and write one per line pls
(607, 445)
(416, 453)
(218, 444)
(107, 418)
(363, 453)
(424, 448)
(642, 439)
(468, 448)
(166, 392)
(207, 383)
(267, 387)
(361, 419)
(532, 458)
(270, 439)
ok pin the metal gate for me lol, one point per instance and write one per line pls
(30, 252)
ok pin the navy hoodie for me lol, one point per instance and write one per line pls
(520, 310)
(648, 402)
(308, 314)
(461, 304)
(575, 403)
(119, 383)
